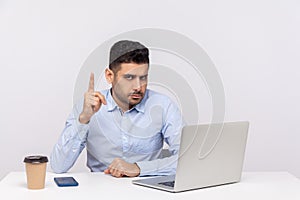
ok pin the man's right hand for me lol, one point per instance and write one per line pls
(92, 102)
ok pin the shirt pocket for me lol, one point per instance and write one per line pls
(143, 145)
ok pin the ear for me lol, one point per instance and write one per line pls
(109, 75)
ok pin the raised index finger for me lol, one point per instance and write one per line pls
(91, 83)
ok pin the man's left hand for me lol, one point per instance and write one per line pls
(119, 168)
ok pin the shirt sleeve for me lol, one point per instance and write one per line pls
(71, 142)
(171, 131)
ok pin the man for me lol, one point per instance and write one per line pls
(123, 128)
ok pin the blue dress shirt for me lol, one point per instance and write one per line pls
(136, 136)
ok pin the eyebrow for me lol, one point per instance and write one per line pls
(134, 75)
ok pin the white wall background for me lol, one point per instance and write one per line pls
(255, 46)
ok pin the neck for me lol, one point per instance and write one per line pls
(124, 106)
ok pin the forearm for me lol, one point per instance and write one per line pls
(164, 166)
(69, 146)
(63, 158)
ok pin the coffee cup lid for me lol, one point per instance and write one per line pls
(36, 159)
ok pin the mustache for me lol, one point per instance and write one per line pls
(136, 92)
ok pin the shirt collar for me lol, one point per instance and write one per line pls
(141, 106)
(111, 104)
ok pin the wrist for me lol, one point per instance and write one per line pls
(83, 119)
(138, 169)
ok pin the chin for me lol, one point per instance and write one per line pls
(134, 102)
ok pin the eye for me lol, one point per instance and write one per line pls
(143, 78)
(128, 76)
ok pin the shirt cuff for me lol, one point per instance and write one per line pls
(147, 167)
(82, 129)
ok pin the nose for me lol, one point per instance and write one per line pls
(137, 84)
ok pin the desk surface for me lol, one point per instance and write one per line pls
(254, 185)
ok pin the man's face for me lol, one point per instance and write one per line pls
(129, 84)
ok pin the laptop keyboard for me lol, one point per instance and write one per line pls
(169, 183)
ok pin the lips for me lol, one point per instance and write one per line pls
(136, 96)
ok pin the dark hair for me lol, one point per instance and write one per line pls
(126, 51)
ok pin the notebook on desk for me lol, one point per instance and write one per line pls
(209, 155)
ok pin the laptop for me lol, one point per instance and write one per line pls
(209, 155)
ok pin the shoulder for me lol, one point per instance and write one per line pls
(165, 105)
(157, 95)
(159, 98)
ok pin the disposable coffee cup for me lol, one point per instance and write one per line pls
(36, 171)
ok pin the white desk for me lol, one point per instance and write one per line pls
(254, 186)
